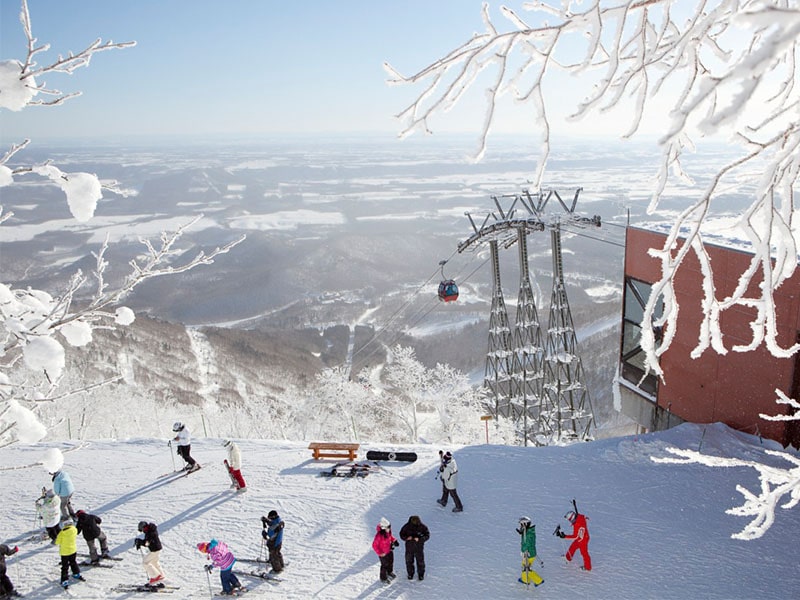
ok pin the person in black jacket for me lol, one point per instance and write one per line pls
(89, 525)
(152, 542)
(415, 533)
(6, 587)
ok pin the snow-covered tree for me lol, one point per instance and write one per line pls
(36, 325)
(707, 69)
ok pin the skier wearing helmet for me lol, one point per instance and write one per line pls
(384, 544)
(185, 446)
(527, 531)
(580, 533)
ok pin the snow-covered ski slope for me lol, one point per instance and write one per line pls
(657, 531)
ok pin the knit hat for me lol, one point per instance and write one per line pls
(203, 547)
(273, 514)
(226, 443)
(385, 524)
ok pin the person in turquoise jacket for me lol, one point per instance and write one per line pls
(527, 532)
(63, 488)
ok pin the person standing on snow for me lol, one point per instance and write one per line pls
(415, 533)
(184, 446)
(527, 532)
(63, 487)
(67, 542)
(273, 534)
(49, 507)
(234, 465)
(384, 544)
(222, 558)
(6, 587)
(580, 533)
(449, 474)
(150, 561)
(89, 525)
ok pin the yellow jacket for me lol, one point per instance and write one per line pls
(67, 541)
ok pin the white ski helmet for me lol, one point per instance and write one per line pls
(385, 524)
(570, 516)
(177, 426)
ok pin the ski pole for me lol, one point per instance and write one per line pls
(169, 443)
(208, 577)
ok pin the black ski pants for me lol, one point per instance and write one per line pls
(387, 565)
(275, 557)
(415, 551)
(69, 562)
(185, 453)
(454, 494)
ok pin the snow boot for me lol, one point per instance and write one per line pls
(440, 503)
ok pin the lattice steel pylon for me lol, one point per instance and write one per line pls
(539, 384)
(570, 416)
(499, 357)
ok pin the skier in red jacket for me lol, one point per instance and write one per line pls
(580, 533)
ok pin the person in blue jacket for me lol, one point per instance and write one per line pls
(63, 488)
(273, 533)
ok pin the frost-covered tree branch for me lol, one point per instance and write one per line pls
(726, 67)
(34, 324)
(776, 483)
(784, 399)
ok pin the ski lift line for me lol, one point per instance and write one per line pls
(571, 232)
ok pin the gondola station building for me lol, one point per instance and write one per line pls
(734, 388)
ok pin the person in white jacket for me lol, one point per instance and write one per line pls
(49, 509)
(449, 474)
(234, 465)
(184, 440)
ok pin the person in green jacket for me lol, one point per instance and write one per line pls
(527, 532)
(67, 542)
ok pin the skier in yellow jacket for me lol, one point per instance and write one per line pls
(67, 542)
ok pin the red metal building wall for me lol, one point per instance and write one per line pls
(732, 388)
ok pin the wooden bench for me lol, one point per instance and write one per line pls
(333, 450)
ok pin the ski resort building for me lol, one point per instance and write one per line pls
(734, 388)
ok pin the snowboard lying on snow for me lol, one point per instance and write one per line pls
(401, 456)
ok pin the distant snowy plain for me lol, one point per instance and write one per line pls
(657, 531)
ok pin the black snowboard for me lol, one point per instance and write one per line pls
(401, 456)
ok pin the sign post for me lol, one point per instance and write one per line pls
(486, 419)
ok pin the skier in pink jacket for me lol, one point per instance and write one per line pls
(384, 544)
(222, 558)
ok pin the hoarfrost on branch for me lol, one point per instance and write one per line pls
(726, 67)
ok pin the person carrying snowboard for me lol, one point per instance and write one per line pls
(89, 525)
(415, 533)
(272, 532)
(49, 507)
(384, 544)
(449, 473)
(67, 542)
(6, 587)
(527, 532)
(63, 487)
(234, 465)
(580, 535)
(150, 561)
(222, 558)
(184, 450)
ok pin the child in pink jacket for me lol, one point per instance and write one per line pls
(223, 559)
(384, 544)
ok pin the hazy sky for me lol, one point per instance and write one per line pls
(209, 66)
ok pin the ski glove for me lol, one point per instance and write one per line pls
(209, 568)
(395, 544)
(138, 543)
(561, 534)
(264, 534)
(15, 550)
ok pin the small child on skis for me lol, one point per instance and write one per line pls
(184, 450)
(527, 532)
(150, 561)
(89, 525)
(234, 465)
(6, 587)
(384, 544)
(272, 532)
(222, 558)
(49, 509)
(67, 542)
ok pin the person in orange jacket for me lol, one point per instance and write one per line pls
(580, 535)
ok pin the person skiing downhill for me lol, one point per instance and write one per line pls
(6, 587)
(184, 449)
(449, 473)
(384, 544)
(222, 558)
(234, 465)
(272, 532)
(49, 508)
(150, 561)
(580, 533)
(67, 542)
(89, 525)
(415, 533)
(527, 532)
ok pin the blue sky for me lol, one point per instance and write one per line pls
(250, 66)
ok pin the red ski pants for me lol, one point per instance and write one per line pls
(583, 546)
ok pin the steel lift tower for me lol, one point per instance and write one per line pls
(537, 381)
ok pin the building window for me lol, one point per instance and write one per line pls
(632, 356)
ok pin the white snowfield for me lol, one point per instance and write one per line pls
(657, 531)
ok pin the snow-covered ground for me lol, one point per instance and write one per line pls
(657, 531)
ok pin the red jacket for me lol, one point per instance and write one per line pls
(382, 544)
(580, 531)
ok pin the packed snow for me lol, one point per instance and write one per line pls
(657, 530)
